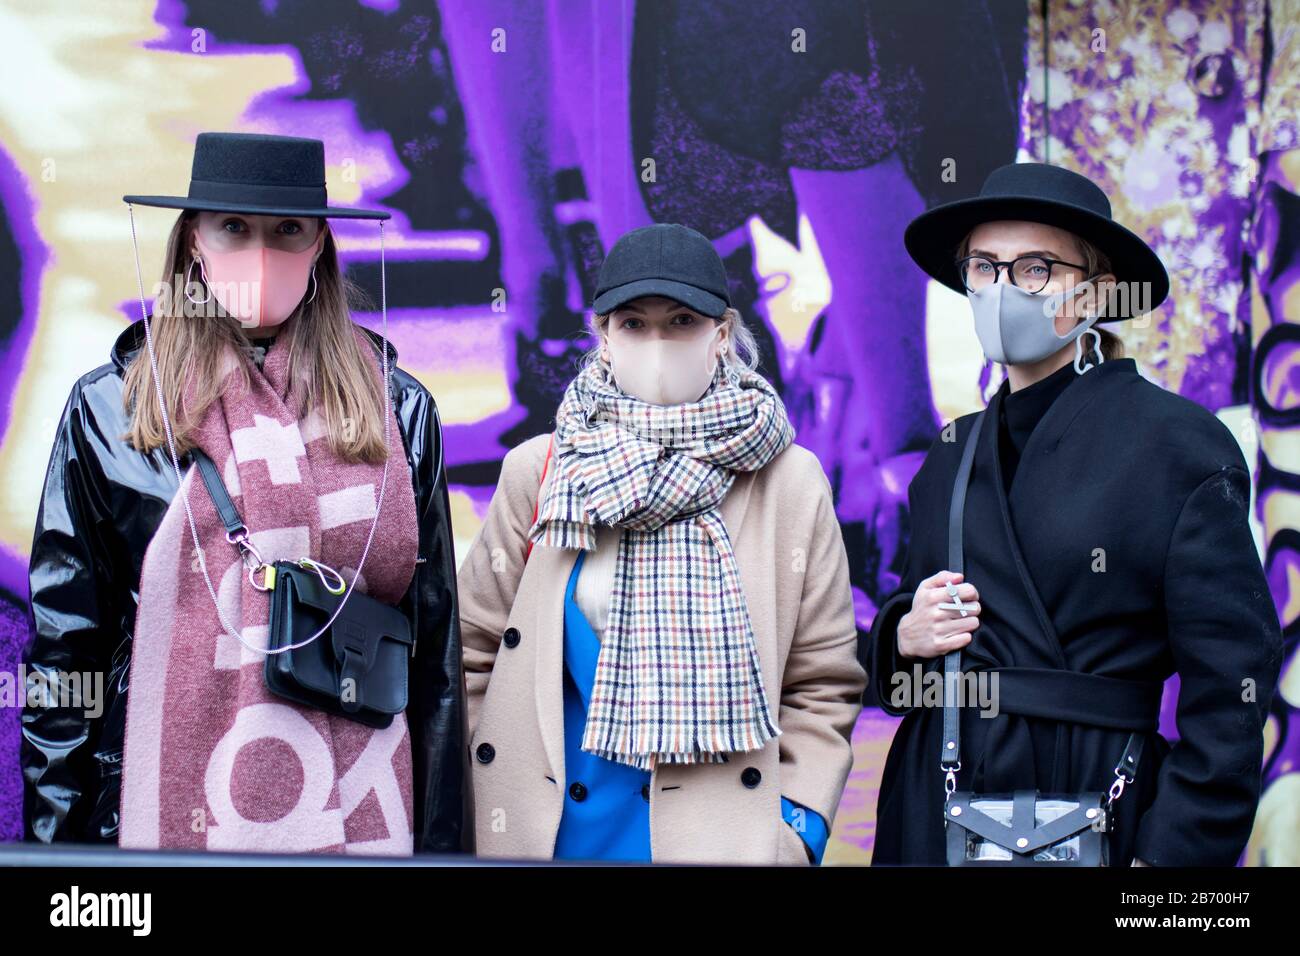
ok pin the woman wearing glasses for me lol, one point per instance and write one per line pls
(1106, 546)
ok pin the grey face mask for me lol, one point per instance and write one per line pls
(1015, 326)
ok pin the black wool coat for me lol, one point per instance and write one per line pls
(1122, 550)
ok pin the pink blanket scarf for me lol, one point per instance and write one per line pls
(213, 760)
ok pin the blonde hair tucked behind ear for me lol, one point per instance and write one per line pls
(1098, 263)
(741, 351)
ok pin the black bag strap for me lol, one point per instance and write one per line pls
(220, 496)
(950, 756)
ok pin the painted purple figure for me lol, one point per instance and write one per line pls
(788, 109)
(514, 64)
(22, 258)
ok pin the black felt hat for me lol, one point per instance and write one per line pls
(1035, 192)
(259, 174)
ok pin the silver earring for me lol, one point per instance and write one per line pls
(189, 271)
(1078, 351)
(730, 370)
(313, 283)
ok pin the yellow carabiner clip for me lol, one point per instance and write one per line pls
(268, 576)
(320, 570)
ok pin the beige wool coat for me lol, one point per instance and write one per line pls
(794, 572)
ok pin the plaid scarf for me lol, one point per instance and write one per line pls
(678, 677)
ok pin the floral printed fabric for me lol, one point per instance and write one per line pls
(1167, 107)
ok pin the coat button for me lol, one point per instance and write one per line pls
(645, 792)
(750, 777)
(511, 637)
(577, 791)
(485, 753)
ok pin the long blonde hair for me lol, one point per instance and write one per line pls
(326, 364)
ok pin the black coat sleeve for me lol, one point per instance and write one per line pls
(71, 632)
(1226, 644)
(443, 800)
(879, 654)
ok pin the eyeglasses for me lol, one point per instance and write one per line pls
(1031, 273)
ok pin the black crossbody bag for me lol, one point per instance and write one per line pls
(1025, 828)
(358, 667)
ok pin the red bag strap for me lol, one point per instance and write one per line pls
(546, 466)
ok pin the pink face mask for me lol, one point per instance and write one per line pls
(261, 286)
(664, 371)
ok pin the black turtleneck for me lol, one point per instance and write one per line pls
(1021, 412)
(257, 349)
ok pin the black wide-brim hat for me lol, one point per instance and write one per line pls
(258, 174)
(1035, 192)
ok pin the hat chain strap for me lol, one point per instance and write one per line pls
(246, 546)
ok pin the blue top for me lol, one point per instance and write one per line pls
(607, 808)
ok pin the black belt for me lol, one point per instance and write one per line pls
(1076, 697)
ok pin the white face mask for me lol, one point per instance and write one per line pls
(1015, 326)
(664, 371)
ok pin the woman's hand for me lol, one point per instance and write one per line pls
(928, 630)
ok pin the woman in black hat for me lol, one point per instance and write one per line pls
(1106, 546)
(251, 356)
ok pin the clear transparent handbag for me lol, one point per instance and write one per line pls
(1050, 829)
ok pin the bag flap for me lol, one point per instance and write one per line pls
(960, 812)
(316, 666)
(305, 587)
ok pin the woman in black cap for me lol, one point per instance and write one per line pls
(669, 675)
(251, 357)
(1104, 543)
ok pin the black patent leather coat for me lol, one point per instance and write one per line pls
(101, 504)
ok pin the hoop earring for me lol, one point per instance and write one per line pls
(729, 370)
(1078, 351)
(189, 270)
(313, 284)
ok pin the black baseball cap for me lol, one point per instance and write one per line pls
(666, 259)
